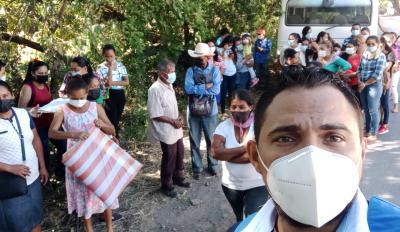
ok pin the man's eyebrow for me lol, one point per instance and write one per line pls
(336, 126)
(288, 128)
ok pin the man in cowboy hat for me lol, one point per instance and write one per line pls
(202, 84)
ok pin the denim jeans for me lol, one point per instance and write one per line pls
(246, 202)
(370, 101)
(385, 106)
(207, 124)
(228, 86)
(243, 80)
(61, 146)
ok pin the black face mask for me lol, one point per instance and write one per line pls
(241, 116)
(93, 94)
(41, 79)
(6, 104)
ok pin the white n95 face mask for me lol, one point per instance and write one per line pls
(312, 186)
(77, 103)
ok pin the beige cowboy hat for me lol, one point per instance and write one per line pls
(201, 49)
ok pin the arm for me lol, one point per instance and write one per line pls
(219, 151)
(55, 133)
(380, 68)
(37, 145)
(24, 97)
(124, 82)
(343, 64)
(103, 123)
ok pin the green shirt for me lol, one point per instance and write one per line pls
(337, 64)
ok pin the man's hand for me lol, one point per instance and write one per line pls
(209, 85)
(260, 49)
(361, 86)
(177, 123)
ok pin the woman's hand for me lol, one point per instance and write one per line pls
(81, 135)
(99, 123)
(44, 175)
(34, 112)
(361, 86)
(19, 170)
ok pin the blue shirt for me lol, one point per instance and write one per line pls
(261, 57)
(200, 89)
(372, 66)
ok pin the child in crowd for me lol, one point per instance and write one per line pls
(248, 58)
(79, 116)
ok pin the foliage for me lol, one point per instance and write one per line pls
(143, 31)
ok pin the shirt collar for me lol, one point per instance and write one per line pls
(354, 220)
(206, 70)
(168, 86)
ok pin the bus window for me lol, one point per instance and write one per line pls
(328, 12)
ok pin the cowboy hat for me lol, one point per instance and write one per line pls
(201, 49)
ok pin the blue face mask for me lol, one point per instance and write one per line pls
(372, 49)
(171, 77)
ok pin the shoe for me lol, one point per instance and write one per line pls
(254, 82)
(372, 139)
(169, 192)
(182, 183)
(383, 130)
(212, 172)
(196, 176)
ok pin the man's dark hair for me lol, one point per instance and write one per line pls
(289, 53)
(297, 77)
(108, 47)
(356, 24)
(366, 29)
(76, 84)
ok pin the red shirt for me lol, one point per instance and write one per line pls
(354, 61)
(41, 97)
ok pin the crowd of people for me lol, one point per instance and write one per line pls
(26, 133)
(252, 143)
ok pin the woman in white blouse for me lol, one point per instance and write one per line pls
(241, 183)
(19, 137)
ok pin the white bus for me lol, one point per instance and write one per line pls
(332, 16)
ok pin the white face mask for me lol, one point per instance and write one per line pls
(171, 77)
(303, 48)
(3, 78)
(350, 51)
(309, 35)
(312, 186)
(321, 54)
(355, 32)
(75, 73)
(372, 49)
(337, 53)
(260, 37)
(366, 37)
(77, 103)
(291, 42)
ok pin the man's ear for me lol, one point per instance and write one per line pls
(254, 158)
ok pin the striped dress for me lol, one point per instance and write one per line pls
(80, 198)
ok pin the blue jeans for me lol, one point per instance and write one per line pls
(227, 87)
(207, 124)
(370, 101)
(385, 106)
(243, 80)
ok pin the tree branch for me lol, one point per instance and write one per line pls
(22, 41)
(60, 14)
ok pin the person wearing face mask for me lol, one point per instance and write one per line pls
(294, 42)
(262, 49)
(36, 93)
(310, 156)
(166, 128)
(396, 75)
(2, 71)
(202, 84)
(79, 66)
(365, 32)
(22, 161)
(353, 58)
(242, 185)
(306, 33)
(331, 61)
(230, 72)
(355, 31)
(77, 117)
(95, 93)
(370, 71)
(324, 37)
(247, 62)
